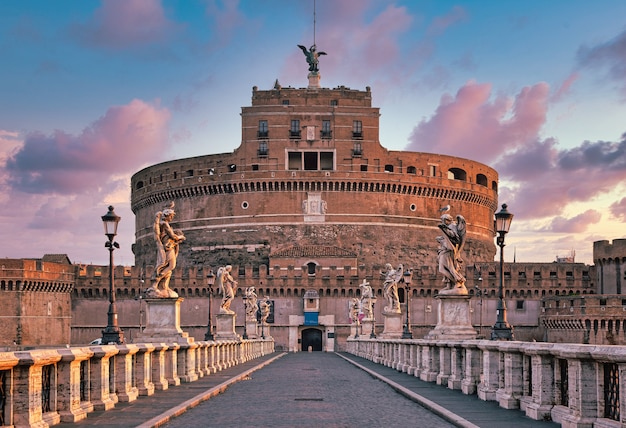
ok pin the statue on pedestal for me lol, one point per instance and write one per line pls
(449, 254)
(312, 56)
(367, 295)
(252, 306)
(167, 240)
(266, 307)
(227, 285)
(390, 288)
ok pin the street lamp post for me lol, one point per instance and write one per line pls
(373, 334)
(406, 334)
(209, 331)
(112, 333)
(502, 330)
(245, 317)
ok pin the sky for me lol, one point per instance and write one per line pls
(93, 91)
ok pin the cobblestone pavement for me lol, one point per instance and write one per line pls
(308, 390)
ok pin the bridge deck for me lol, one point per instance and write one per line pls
(309, 389)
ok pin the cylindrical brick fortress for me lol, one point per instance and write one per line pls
(311, 171)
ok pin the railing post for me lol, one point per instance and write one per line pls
(171, 364)
(491, 371)
(28, 383)
(539, 404)
(472, 370)
(445, 368)
(430, 362)
(159, 378)
(582, 381)
(100, 386)
(186, 356)
(143, 369)
(70, 407)
(8, 363)
(456, 365)
(509, 396)
(124, 374)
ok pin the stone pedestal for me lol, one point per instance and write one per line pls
(163, 322)
(453, 319)
(393, 325)
(252, 329)
(225, 328)
(366, 327)
(314, 80)
(356, 330)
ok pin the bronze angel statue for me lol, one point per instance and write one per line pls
(449, 254)
(312, 56)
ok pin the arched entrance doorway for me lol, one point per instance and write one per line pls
(311, 337)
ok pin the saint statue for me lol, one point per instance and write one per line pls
(227, 285)
(449, 254)
(312, 56)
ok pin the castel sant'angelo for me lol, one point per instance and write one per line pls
(311, 172)
(309, 207)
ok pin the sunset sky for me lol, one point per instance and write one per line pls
(93, 91)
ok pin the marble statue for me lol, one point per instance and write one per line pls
(367, 300)
(227, 285)
(167, 241)
(390, 288)
(266, 307)
(354, 307)
(252, 305)
(312, 56)
(449, 254)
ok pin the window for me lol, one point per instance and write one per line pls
(263, 130)
(519, 305)
(388, 168)
(481, 179)
(411, 170)
(311, 268)
(326, 132)
(364, 168)
(357, 129)
(262, 149)
(311, 161)
(432, 170)
(334, 103)
(357, 150)
(285, 102)
(294, 131)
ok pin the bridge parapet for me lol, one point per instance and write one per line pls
(571, 384)
(39, 388)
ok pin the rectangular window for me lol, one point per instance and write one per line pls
(519, 305)
(263, 130)
(263, 149)
(357, 129)
(357, 150)
(432, 170)
(326, 132)
(294, 131)
(295, 160)
(334, 103)
(326, 161)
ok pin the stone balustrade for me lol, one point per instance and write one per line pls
(44, 387)
(571, 384)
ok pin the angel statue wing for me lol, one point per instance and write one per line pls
(461, 227)
(220, 279)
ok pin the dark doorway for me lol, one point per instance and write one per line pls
(311, 337)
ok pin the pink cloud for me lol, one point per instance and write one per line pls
(577, 224)
(618, 209)
(123, 23)
(125, 138)
(471, 125)
(565, 87)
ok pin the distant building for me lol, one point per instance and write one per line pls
(35, 297)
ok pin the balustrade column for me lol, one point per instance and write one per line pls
(124, 373)
(186, 364)
(158, 367)
(542, 395)
(412, 362)
(473, 367)
(100, 384)
(143, 369)
(456, 365)
(69, 381)
(491, 371)
(418, 360)
(513, 389)
(444, 365)
(171, 364)
(430, 362)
